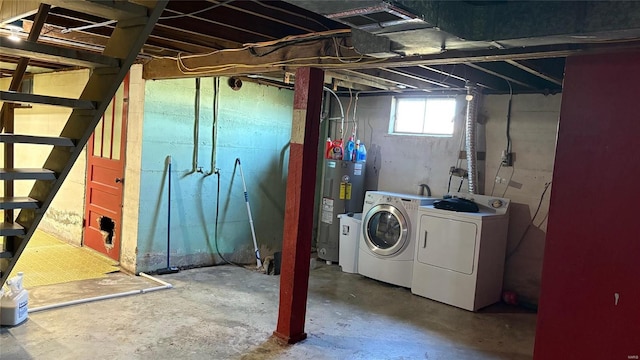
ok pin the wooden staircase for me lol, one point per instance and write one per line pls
(135, 21)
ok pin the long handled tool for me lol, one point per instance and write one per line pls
(246, 200)
(168, 269)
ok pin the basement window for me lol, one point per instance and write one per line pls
(423, 116)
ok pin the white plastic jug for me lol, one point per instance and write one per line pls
(14, 304)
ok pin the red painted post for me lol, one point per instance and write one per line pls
(591, 275)
(298, 218)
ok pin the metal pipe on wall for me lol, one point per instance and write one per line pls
(214, 126)
(471, 121)
(196, 128)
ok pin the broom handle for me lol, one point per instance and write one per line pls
(169, 212)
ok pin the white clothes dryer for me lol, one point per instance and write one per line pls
(387, 242)
(460, 256)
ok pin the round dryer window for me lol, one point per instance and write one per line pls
(385, 230)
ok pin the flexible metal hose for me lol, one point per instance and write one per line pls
(471, 120)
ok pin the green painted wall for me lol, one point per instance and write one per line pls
(254, 125)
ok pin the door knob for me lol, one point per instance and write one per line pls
(120, 180)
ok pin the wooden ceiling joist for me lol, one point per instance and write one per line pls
(532, 69)
(352, 80)
(404, 79)
(117, 10)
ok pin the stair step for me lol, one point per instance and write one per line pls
(11, 229)
(27, 174)
(41, 140)
(17, 97)
(58, 55)
(18, 202)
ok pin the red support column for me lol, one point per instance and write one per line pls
(298, 218)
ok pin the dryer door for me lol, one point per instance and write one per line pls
(386, 230)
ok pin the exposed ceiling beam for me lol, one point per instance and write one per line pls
(353, 77)
(532, 69)
(112, 10)
(175, 39)
(409, 79)
(500, 75)
(447, 74)
(275, 13)
(320, 54)
(264, 27)
(84, 40)
(457, 75)
(200, 25)
(337, 83)
(374, 76)
(490, 55)
(59, 55)
(9, 64)
(187, 40)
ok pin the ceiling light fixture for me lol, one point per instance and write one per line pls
(14, 36)
(15, 27)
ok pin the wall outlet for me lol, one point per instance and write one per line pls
(507, 158)
(459, 172)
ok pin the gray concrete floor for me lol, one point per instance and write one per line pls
(227, 312)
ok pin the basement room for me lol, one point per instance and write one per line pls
(307, 179)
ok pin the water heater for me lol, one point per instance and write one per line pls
(342, 192)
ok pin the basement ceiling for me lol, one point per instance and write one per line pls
(372, 46)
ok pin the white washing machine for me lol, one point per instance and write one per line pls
(387, 241)
(459, 257)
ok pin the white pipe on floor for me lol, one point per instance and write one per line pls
(164, 285)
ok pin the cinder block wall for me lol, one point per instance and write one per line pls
(401, 163)
(254, 125)
(534, 130)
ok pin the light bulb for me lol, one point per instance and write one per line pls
(14, 36)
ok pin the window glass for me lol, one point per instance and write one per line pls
(424, 116)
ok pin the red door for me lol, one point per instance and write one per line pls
(105, 177)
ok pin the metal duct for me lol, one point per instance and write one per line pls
(472, 114)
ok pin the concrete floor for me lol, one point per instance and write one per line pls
(227, 312)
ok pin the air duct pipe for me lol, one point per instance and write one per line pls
(471, 121)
